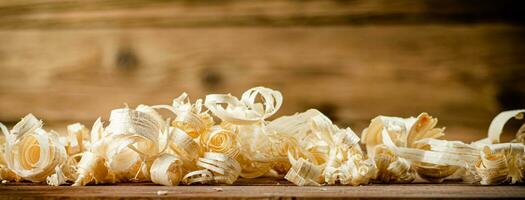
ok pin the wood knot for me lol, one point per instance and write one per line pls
(510, 97)
(126, 59)
(211, 78)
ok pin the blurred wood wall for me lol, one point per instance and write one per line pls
(75, 60)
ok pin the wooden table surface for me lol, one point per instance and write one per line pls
(260, 189)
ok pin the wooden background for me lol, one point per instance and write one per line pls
(75, 60)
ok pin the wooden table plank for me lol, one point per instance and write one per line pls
(260, 189)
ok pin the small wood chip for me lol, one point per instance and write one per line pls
(162, 192)
(218, 189)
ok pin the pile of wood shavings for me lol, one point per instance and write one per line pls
(140, 145)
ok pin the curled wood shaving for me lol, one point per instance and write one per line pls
(224, 169)
(200, 176)
(246, 110)
(124, 151)
(327, 154)
(93, 168)
(66, 172)
(216, 167)
(402, 139)
(77, 139)
(220, 140)
(190, 117)
(166, 170)
(186, 147)
(6, 174)
(392, 169)
(140, 144)
(497, 124)
(31, 152)
(304, 172)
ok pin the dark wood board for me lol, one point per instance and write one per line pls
(263, 188)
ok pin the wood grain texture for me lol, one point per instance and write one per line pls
(261, 189)
(351, 73)
(60, 14)
(69, 61)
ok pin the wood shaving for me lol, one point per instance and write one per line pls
(141, 145)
